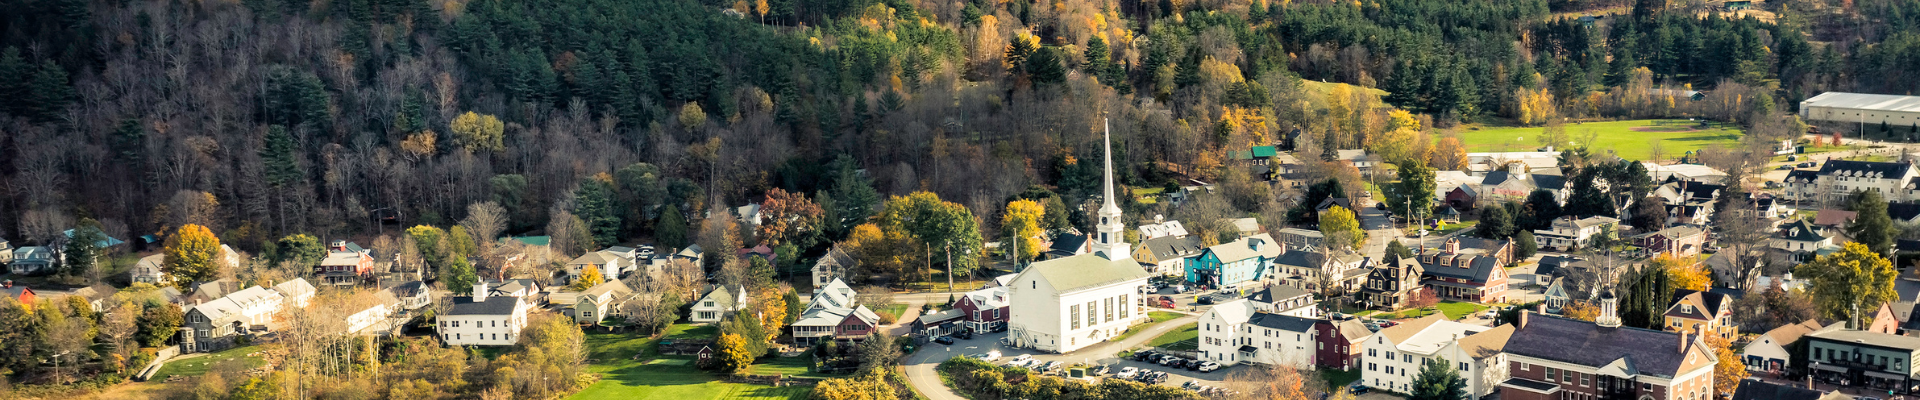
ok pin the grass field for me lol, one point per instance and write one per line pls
(1184, 337)
(1629, 139)
(1456, 310)
(891, 312)
(199, 365)
(1337, 378)
(674, 378)
(1156, 318)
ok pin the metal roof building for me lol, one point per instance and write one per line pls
(1862, 108)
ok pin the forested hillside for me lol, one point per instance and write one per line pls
(262, 118)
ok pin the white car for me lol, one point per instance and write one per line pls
(990, 355)
(1022, 358)
(1127, 373)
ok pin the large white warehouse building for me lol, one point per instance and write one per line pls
(1862, 108)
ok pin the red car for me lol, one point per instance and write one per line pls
(1166, 301)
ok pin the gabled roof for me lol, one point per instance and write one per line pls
(342, 258)
(1406, 330)
(1487, 343)
(493, 305)
(1283, 322)
(409, 289)
(1234, 312)
(219, 311)
(1479, 269)
(1584, 343)
(295, 287)
(609, 288)
(989, 298)
(938, 317)
(1800, 230)
(1171, 247)
(836, 258)
(1068, 274)
(722, 297)
(1787, 334)
(1755, 389)
(1832, 217)
(1802, 175)
(1261, 245)
(254, 296)
(1068, 243)
(1281, 292)
(1910, 323)
(864, 314)
(1354, 330)
(1334, 201)
(1903, 211)
(834, 294)
(595, 258)
(1705, 305)
(1870, 169)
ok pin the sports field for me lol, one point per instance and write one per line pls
(1632, 139)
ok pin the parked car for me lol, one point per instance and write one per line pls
(1022, 358)
(1051, 366)
(1358, 388)
(1126, 373)
(1785, 167)
(1142, 355)
(962, 334)
(992, 355)
(1194, 365)
(943, 340)
(1142, 375)
(1209, 366)
(1388, 324)
(1098, 370)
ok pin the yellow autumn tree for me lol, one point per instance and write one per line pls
(771, 304)
(1022, 224)
(1533, 106)
(1683, 274)
(1579, 311)
(1730, 371)
(420, 145)
(589, 277)
(1449, 155)
(479, 132)
(191, 255)
(731, 353)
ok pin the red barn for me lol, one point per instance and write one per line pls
(985, 309)
(20, 293)
(1338, 343)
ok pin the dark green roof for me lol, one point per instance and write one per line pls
(532, 240)
(1264, 151)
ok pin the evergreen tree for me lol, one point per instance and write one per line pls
(1016, 56)
(1620, 69)
(1098, 58)
(1872, 227)
(282, 158)
(16, 76)
(1524, 245)
(671, 229)
(51, 92)
(1494, 223)
(1543, 208)
(1045, 66)
(83, 249)
(593, 202)
(1396, 252)
(1438, 380)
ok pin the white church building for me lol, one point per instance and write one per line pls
(1069, 303)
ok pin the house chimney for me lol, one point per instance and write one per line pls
(479, 290)
(1683, 341)
(1522, 323)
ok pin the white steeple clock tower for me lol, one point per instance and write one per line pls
(1110, 236)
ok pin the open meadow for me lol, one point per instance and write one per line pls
(1631, 139)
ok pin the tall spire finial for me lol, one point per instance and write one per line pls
(1110, 232)
(1107, 140)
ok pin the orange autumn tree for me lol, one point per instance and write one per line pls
(1728, 373)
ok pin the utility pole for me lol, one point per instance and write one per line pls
(949, 248)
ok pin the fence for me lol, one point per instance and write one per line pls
(772, 380)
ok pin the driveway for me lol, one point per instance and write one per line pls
(920, 366)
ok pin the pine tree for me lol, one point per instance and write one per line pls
(16, 76)
(593, 202)
(1620, 69)
(282, 158)
(671, 229)
(1871, 227)
(51, 92)
(1045, 66)
(1438, 380)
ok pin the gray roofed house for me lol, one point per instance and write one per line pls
(1300, 238)
(833, 265)
(412, 295)
(1246, 226)
(31, 260)
(1632, 350)
(491, 305)
(295, 292)
(1281, 322)
(1284, 299)
(1069, 244)
(594, 304)
(717, 304)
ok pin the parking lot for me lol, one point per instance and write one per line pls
(1098, 355)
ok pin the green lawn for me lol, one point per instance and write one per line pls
(796, 366)
(1618, 136)
(1338, 379)
(1446, 228)
(1189, 334)
(199, 365)
(691, 331)
(673, 378)
(1156, 318)
(1456, 310)
(891, 312)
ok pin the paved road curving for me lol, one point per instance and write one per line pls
(920, 365)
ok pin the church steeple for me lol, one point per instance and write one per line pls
(1110, 236)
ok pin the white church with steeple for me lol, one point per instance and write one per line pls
(1069, 303)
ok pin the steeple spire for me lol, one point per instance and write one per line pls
(1110, 237)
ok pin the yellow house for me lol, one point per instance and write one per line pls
(1696, 311)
